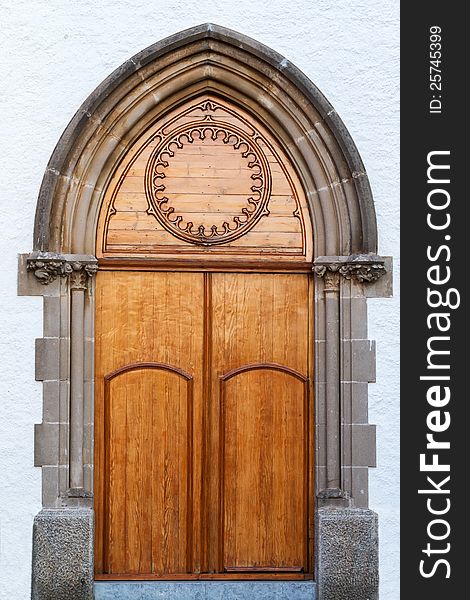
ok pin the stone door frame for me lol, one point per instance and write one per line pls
(347, 271)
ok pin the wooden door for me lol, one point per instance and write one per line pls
(203, 445)
(149, 340)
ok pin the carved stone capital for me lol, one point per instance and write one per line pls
(78, 280)
(364, 268)
(331, 279)
(48, 266)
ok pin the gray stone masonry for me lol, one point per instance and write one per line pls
(347, 554)
(63, 555)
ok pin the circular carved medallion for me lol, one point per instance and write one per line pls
(207, 183)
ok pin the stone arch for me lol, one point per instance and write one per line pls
(178, 68)
(207, 58)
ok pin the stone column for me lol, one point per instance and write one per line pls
(333, 464)
(78, 285)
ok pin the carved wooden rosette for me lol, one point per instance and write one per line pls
(207, 134)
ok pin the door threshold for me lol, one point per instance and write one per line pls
(205, 590)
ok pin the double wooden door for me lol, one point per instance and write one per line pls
(203, 425)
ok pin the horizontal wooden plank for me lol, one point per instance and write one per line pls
(238, 183)
(252, 238)
(208, 186)
(137, 202)
(272, 263)
(136, 221)
(216, 164)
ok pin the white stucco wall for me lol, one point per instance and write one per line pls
(53, 53)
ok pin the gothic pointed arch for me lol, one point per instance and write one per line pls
(243, 72)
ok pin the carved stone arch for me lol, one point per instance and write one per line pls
(207, 59)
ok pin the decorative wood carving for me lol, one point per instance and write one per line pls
(241, 151)
(267, 366)
(206, 182)
(148, 365)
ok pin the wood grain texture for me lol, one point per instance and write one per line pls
(203, 425)
(259, 321)
(206, 179)
(148, 398)
(263, 413)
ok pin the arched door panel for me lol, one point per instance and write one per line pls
(264, 470)
(148, 470)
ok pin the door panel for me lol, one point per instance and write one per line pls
(256, 319)
(149, 339)
(203, 450)
(148, 414)
(263, 471)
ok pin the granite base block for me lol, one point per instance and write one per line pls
(63, 555)
(347, 554)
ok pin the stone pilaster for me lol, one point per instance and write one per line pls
(61, 365)
(345, 362)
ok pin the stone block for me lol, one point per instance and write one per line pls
(353, 317)
(359, 402)
(360, 486)
(46, 444)
(347, 554)
(63, 555)
(206, 590)
(51, 322)
(358, 308)
(50, 486)
(29, 285)
(363, 360)
(383, 287)
(47, 359)
(51, 401)
(363, 438)
(354, 408)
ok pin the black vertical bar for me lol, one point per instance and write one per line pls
(434, 233)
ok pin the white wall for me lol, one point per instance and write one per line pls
(53, 53)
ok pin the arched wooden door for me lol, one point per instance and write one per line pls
(203, 360)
